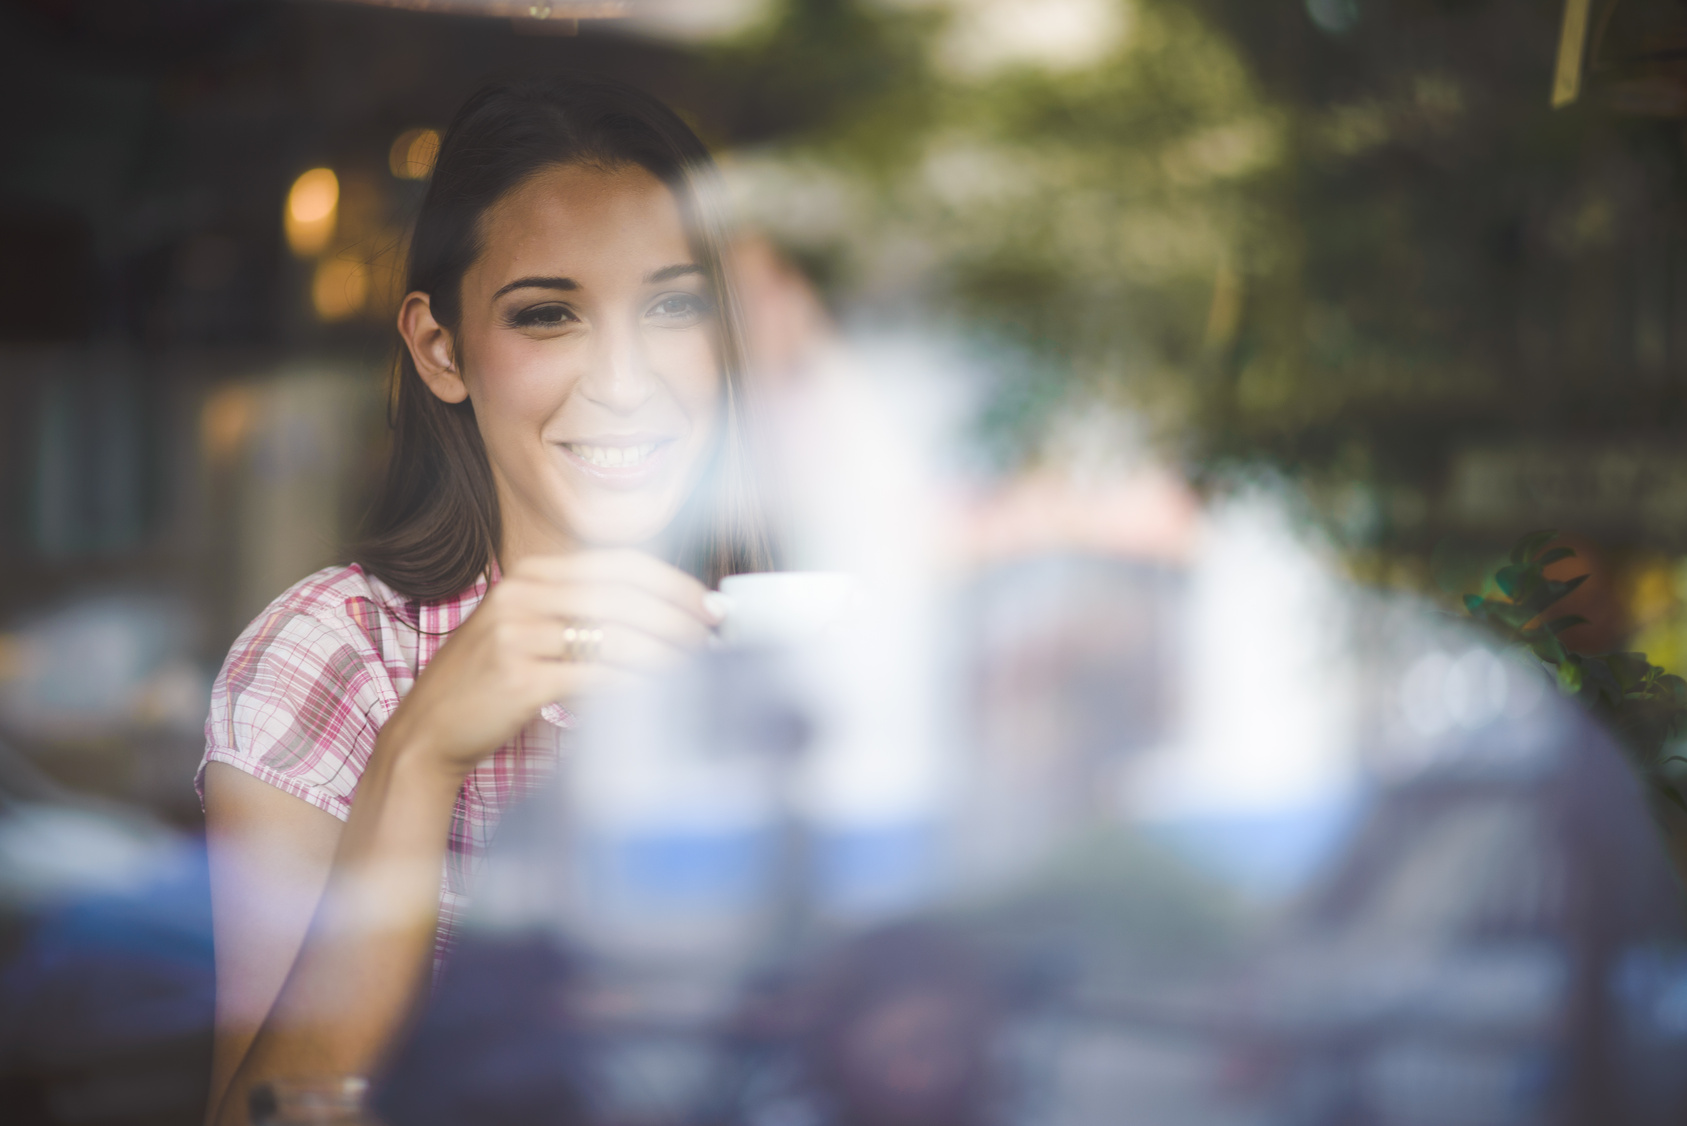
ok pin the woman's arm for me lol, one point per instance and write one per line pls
(270, 855)
(368, 948)
(345, 981)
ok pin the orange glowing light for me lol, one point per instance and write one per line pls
(226, 420)
(312, 206)
(340, 288)
(413, 153)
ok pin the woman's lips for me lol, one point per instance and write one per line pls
(622, 461)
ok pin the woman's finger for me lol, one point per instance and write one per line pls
(563, 681)
(620, 647)
(594, 643)
(602, 603)
(622, 567)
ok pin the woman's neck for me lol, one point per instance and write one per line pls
(526, 532)
(520, 540)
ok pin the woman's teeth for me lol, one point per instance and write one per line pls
(612, 457)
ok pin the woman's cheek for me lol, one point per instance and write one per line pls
(529, 386)
(690, 364)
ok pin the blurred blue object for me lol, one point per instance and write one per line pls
(876, 870)
(106, 664)
(1490, 935)
(106, 1002)
(721, 870)
(500, 1046)
(1269, 853)
(1491, 947)
(872, 869)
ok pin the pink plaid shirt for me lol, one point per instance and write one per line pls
(311, 681)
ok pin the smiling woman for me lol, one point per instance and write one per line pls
(538, 219)
(567, 473)
(604, 389)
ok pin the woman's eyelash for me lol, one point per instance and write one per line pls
(689, 303)
(541, 315)
(550, 315)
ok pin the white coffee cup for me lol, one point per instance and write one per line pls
(784, 607)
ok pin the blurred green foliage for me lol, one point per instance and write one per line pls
(1078, 216)
(1346, 248)
(1644, 705)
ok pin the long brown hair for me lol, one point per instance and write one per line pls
(435, 526)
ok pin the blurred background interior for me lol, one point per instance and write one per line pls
(1345, 252)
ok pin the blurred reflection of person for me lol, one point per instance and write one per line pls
(567, 473)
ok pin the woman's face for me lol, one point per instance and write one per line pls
(589, 346)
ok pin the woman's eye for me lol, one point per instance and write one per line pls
(542, 316)
(681, 308)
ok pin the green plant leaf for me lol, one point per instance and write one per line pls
(1567, 586)
(1526, 547)
(1552, 651)
(1599, 676)
(1644, 705)
(1513, 617)
(1629, 669)
(1671, 774)
(1548, 593)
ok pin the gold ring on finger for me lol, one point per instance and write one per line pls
(581, 642)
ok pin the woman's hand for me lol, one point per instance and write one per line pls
(509, 659)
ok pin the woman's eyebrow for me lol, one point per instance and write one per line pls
(669, 273)
(537, 283)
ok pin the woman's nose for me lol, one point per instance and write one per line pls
(621, 380)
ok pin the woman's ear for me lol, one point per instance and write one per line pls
(431, 347)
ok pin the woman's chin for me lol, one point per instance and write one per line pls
(619, 531)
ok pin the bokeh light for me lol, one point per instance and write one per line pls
(225, 421)
(413, 153)
(313, 205)
(340, 288)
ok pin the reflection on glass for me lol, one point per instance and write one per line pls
(312, 205)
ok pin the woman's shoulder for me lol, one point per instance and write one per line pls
(307, 684)
(343, 594)
(342, 602)
(339, 630)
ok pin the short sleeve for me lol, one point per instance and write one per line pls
(298, 704)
